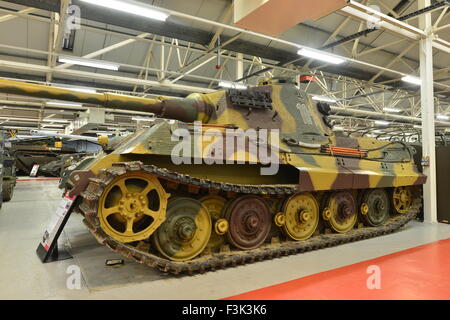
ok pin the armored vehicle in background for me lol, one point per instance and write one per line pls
(7, 171)
(2, 159)
(45, 152)
(9, 177)
(36, 151)
(236, 176)
(62, 162)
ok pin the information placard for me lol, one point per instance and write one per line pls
(34, 171)
(48, 247)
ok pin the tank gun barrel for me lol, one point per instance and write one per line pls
(188, 109)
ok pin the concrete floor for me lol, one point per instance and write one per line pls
(23, 276)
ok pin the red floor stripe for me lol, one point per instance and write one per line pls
(39, 179)
(417, 273)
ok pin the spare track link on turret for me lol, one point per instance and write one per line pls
(213, 261)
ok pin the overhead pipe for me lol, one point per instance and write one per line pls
(365, 32)
(378, 115)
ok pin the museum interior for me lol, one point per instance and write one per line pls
(224, 150)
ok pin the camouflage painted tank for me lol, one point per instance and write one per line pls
(236, 176)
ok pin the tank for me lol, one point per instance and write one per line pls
(36, 151)
(45, 151)
(56, 167)
(236, 176)
(2, 159)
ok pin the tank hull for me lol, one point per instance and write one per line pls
(311, 194)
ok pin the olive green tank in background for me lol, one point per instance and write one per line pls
(199, 214)
(8, 170)
(2, 159)
(49, 153)
(36, 151)
(56, 167)
(9, 177)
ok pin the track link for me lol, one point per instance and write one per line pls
(213, 261)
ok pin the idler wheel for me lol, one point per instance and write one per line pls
(250, 222)
(401, 199)
(132, 207)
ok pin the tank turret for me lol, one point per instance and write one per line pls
(275, 104)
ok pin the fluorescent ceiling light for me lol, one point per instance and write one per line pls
(77, 89)
(56, 120)
(90, 63)
(382, 123)
(53, 126)
(417, 126)
(47, 131)
(442, 117)
(142, 119)
(413, 80)
(133, 7)
(338, 128)
(227, 84)
(63, 103)
(324, 99)
(387, 109)
(319, 55)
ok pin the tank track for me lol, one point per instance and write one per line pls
(213, 261)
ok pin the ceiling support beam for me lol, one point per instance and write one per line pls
(393, 61)
(143, 74)
(199, 65)
(395, 26)
(58, 36)
(100, 76)
(364, 13)
(428, 126)
(442, 28)
(225, 19)
(441, 16)
(106, 50)
(8, 17)
(51, 41)
(362, 53)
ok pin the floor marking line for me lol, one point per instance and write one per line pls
(416, 273)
